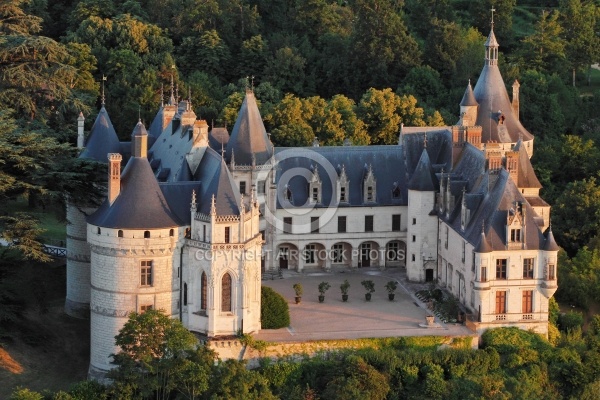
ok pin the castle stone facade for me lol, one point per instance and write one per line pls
(195, 216)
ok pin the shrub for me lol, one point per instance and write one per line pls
(570, 320)
(274, 310)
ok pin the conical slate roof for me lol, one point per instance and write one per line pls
(495, 114)
(139, 130)
(139, 205)
(102, 138)
(422, 178)
(484, 245)
(550, 244)
(217, 180)
(491, 40)
(468, 98)
(249, 137)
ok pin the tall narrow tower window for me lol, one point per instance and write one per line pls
(203, 291)
(226, 293)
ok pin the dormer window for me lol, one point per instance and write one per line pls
(396, 191)
(315, 186)
(287, 193)
(343, 185)
(515, 235)
(369, 186)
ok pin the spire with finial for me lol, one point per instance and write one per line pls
(193, 205)
(162, 95)
(213, 206)
(491, 45)
(103, 98)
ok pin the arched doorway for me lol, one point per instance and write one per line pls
(368, 255)
(287, 256)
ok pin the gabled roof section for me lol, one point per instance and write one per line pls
(422, 179)
(468, 98)
(217, 180)
(139, 205)
(526, 177)
(249, 141)
(102, 139)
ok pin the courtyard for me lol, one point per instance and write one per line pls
(356, 318)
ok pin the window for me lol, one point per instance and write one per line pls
(287, 224)
(414, 238)
(262, 235)
(315, 194)
(464, 245)
(515, 235)
(203, 291)
(337, 253)
(343, 194)
(185, 294)
(287, 194)
(172, 232)
(446, 240)
(227, 234)
(527, 301)
(501, 268)
(310, 254)
(483, 275)
(413, 257)
(226, 293)
(120, 233)
(551, 272)
(368, 223)
(204, 233)
(414, 221)
(396, 192)
(396, 223)
(99, 231)
(393, 251)
(472, 261)
(260, 187)
(501, 302)
(370, 193)
(146, 307)
(314, 224)
(243, 187)
(146, 234)
(342, 224)
(146, 273)
(528, 268)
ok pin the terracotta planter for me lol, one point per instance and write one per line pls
(298, 298)
(391, 296)
(321, 298)
(344, 297)
(430, 319)
(368, 296)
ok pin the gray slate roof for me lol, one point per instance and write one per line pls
(249, 138)
(423, 178)
(492, 97)
(140, 205)
(102, 139)
(550, 244)
(217, 180)
(526, 177)
(468, 98)
(218, 139)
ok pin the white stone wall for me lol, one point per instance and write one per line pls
(116, 288)
(328, 234)
(480, 297)
(421, 235)
(77, 303)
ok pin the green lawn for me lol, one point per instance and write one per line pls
(50, 220)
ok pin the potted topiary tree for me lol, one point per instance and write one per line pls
(391, 287)
(344, 288)
(369, 286)
(323, 287)
(298, 290)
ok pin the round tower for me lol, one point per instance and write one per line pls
(133, 239)
(101, 140)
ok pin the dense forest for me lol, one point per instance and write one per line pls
(325, 69)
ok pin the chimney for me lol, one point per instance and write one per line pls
(139, 141)
(80, 121)
(512, 164)
(114, 176)
(515, 99)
